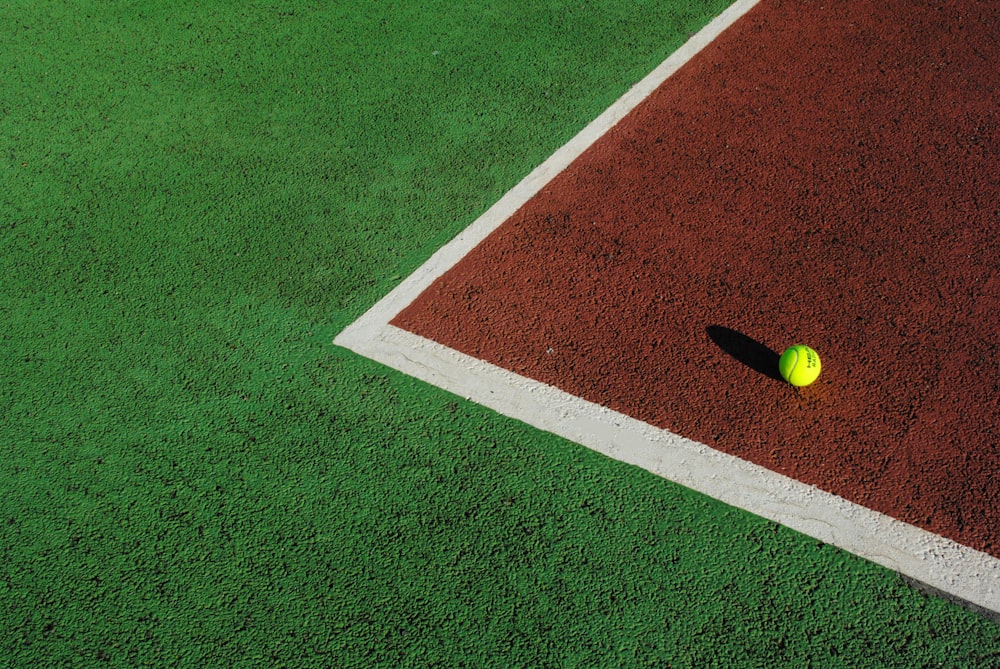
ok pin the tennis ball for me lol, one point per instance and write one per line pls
(799, 365)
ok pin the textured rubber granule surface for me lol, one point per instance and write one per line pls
(195, 197)
(821, 174)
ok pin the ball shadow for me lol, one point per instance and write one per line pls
(750, 352)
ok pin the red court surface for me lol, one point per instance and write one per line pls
(823, 173)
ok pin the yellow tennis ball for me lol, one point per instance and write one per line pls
(799, 365)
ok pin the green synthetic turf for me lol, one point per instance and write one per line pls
(195, 197)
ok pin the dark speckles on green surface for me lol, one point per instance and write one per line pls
(196, 197)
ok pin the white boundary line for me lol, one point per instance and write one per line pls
(945, 565)
(952, 568)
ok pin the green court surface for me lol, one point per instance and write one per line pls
(195, 198)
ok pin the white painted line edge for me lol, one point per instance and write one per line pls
(941, 563)
(945, 565)
(449, 254)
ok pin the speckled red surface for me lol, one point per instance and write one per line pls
(824, 173)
